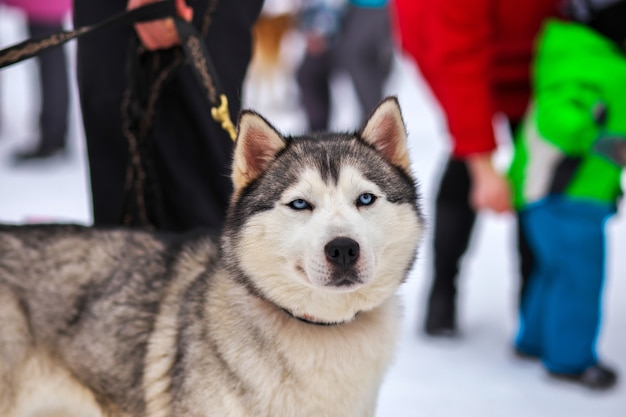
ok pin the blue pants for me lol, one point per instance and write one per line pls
(560, 311)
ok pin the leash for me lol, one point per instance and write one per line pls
(198, 56)
(196, 52)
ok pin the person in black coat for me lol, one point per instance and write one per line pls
(156, 156)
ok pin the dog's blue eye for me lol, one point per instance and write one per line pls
(365, 199)
(300, 204)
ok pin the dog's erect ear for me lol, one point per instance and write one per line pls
(257, 144)
(385, 131)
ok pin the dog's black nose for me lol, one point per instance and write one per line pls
(342, 252)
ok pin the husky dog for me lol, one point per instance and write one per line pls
(293, 314)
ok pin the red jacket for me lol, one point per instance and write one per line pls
(475, 55)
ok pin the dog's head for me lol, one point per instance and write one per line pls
(323, 226)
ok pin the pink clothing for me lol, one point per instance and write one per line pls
(42, 10)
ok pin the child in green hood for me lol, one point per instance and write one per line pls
(565, 175)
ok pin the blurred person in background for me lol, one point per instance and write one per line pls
(566, 174)
(270, 82)
(173, 173)
(354, 37)
(45, 18)
(475, 56)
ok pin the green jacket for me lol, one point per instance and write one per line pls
(576, 71)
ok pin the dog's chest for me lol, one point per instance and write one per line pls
(308, 370)
(338, 376)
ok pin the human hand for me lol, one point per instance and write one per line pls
(490, 190)
(160, 34)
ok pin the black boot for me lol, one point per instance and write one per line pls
(596, 377)
(441, 315)
(37, 153)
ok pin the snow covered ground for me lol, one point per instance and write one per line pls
(475, 375)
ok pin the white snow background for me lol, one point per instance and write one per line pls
(475, 375)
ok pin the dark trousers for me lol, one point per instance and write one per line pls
(189, 154)
(454, 223)
(54, 85)
(363, 50)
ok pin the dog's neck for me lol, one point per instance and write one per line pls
(254, 292)
(312, 320)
